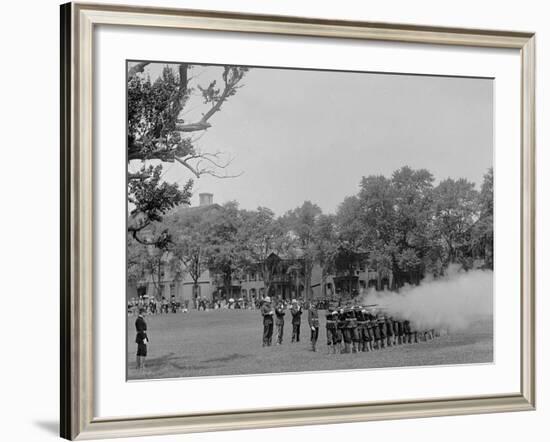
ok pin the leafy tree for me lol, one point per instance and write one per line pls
(224, 253)
(413, 193)
(350, 223)
(483, 229)
(380, 259)
(301, 223)
(150, 200)
(326, 246)
(396, 214)
(189, 246)
(261, 234)
(156, 131)
(147, 263)
(456, 205)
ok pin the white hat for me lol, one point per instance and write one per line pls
(293, 301)
(267, 299)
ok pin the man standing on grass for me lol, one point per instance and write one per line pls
(267, 313)
(296, 312)
(340, 328)
(361, 329)
(332, 333)
(280, 321)
(141, 340)
(313, 321)
(407, 332)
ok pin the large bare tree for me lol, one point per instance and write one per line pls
(158, 131)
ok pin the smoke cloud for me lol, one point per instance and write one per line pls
(452, 302)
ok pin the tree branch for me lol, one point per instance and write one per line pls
(191, 168)
(202, 124)
(139, 67)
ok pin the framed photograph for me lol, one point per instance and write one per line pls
(273, 221)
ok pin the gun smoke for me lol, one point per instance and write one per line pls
(451, 303)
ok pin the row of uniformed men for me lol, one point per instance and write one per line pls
(349, 329)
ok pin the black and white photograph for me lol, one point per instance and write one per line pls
(296, 220)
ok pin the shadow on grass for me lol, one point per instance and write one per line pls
(228, 358)
(171, 360)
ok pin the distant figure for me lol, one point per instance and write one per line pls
(313, 321)
(296, 312)
(267, 313)
(141, 340)
(280, 321)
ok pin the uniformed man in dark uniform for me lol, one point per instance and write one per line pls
(267, 313)
(313, 321)
(296, 312)
(340, 327)
(332, 333)
(389, 331)
(350, 324)
(141, 339)
(141, 325)
(398, 331)
(414, 334)
(381, 322)
(362, 329)
(406, 331)
(280, 321)
(355, 329)
(370, 324)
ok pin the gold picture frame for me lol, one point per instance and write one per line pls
(77, 390)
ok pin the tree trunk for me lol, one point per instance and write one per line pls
(307, 282)
(195, 292)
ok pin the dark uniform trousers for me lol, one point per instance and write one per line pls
(280, 328)
(295, 331)
(314, 334)
(332, 335)
(313, 321)
(268, 331)
(296, 321)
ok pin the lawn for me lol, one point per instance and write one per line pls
(229, 342)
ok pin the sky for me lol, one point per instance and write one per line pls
(297, 135)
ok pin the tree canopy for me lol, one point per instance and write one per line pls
(401, 225)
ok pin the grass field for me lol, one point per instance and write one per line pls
(229, 342)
